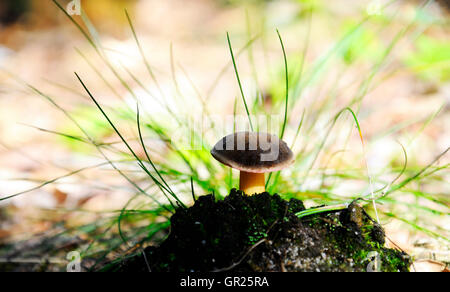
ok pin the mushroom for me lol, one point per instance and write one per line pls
(253, 154)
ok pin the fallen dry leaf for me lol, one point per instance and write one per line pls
(60, 197)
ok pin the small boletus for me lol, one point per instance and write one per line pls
(253, 154)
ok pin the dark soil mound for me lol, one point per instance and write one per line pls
(262, 233)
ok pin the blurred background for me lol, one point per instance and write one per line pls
(388, 60)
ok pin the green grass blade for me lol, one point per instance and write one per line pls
(239, 82)
(286, 72)
(144, 58)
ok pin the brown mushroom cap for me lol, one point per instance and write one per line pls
(253, 152)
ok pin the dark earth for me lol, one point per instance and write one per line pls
(262, 233)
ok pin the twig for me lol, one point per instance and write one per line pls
(242, 258)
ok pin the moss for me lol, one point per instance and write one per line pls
(219, 235)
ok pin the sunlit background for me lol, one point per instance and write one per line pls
(388, 61)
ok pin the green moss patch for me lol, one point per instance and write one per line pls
(262, 233)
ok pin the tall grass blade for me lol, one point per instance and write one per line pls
(239, 82)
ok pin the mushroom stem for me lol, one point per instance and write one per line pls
(252, 183)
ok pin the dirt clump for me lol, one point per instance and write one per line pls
(262, 233)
